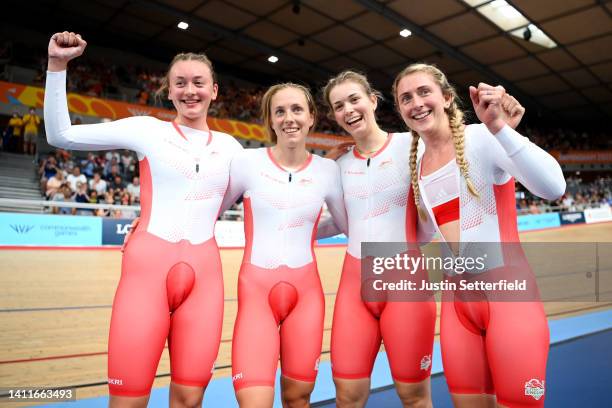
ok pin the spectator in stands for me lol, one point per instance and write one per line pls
(13, 133)
(127, 164)
(47, 169)
(117, 183)
(98, 184)
(89, 165)
(76, 177)
(62, 194)
(134, 189)
(81, 196)
(31, 123)
(54, 184)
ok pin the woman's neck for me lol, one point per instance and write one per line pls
(290, 157)
(197, 123)
(371, 142)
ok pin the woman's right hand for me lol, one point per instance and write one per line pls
(338, 150)
(64, 47)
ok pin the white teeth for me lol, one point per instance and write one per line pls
(290, 130)
(421, 115)
(353, 120)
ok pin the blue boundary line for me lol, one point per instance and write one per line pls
(220, 392)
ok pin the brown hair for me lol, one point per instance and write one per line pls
(348, 76)
(457, 125)
(266, 106)
(184, 56)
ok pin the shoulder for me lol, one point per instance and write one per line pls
(326, 166)
(227, 140)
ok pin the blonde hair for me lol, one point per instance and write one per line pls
(348, 76)
(184, 56)
(266, 106)
(456, 122)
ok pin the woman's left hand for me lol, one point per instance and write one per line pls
(487, 102)
(513, 111)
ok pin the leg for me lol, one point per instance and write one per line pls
(355, 339)
(256, 340)
(302, 337)
(185, 396)
(295, 393)
(255, 397)
(408, 332)
(465, 359)
(139, 322)
(116, 401)
(518, 362)
(352, 393)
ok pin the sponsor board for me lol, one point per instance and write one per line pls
(114, 230)
(601, 214)
(50, 230)
(572, 218)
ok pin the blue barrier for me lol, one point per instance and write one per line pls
(538, 221)
(52, 230)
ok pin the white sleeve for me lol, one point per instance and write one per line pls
(335, 199)
(120, 134)
(237, 181)
(533, 167)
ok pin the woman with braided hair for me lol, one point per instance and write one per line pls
(376, 181)
(494, 352)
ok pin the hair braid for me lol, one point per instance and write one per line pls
(455, 117)
(414, 176)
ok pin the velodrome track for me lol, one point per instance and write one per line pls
(55, 308)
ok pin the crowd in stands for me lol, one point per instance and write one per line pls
(108, 178)
(578, 196)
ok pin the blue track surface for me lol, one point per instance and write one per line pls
(579, 372)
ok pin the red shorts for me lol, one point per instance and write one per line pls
(496, 348)
(280, 311)
(406, 328)
(167, 291)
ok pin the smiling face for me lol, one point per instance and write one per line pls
(353, 108)
(290, 116)
(191, 89)
(422, 104)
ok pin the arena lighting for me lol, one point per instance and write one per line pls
(512, 21)
(272, 59)
(405, 33)
(182, 25)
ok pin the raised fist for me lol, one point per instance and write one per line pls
(64, 47)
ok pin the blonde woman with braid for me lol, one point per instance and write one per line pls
(376, 181)
(494, 352)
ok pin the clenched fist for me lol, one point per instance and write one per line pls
(64, 47)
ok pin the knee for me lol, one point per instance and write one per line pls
(296, 400)
(187, 400)
(418, 397)
(347, 396)
(296, 394)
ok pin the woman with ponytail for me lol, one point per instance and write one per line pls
(494, 350)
